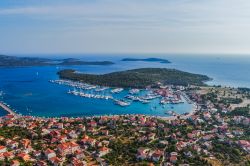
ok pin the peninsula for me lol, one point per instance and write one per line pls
(137, 78)
(147, 60)
(13, 61)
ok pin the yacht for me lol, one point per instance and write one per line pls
(122, 103)
(134, 91)
(117, 90)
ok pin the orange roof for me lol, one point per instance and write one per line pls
(2, 147)
(15, 162)
(103, 149)
(8, 154)
(48, 151)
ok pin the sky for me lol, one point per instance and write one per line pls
(125, 26)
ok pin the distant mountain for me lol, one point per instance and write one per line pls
(147, 60)
(72, 61)
(9, 61)
(13, 61)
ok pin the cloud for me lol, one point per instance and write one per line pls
(132, 25)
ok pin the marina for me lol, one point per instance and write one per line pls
(165, 94)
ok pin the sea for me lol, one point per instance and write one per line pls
(27, 90)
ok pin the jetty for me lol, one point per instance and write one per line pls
(6, 108)
(187, 98)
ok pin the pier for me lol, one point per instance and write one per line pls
(187, 98)
(6, 108)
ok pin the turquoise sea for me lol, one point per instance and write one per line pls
(30, 93)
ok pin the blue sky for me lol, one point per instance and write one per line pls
(124, 26)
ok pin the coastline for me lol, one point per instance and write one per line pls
(186, 115)
(168, 118)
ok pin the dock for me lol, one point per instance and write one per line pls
(187, 98)
(6, 108)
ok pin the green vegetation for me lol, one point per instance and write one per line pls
(227, 152)
(241, 111)
(244, 90)
(231, 101)
(137, 78)
(10, 132)
(12, 61)
(147, 60)
(72, 61)
(122, 153)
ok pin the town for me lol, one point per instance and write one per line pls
(216, 133)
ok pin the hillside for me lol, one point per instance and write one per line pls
(13, 61)
(147, 60)
(137, 78)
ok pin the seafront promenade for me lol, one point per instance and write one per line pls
(6, 108)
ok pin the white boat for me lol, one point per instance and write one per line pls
(134, 91)
(145, 101)
(100, 89)
(122, 103)
(117, 90)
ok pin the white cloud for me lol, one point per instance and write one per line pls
(130, 26)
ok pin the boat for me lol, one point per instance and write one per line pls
(145, 101)
(134, 91)
(100, 89)
(86, 95)
(169, 112)
(121, 103)
(164, 101)
(116, 90)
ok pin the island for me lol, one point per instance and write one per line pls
(13, 61)
(136, 78)
(73, 61)
(147, 60)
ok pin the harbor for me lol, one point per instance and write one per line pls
(156, 97)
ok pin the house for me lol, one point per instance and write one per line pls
(156, 155)
(77, 162)
(59, 125)
(105, 132)
(49, 153)
(12, 144)
(68, 148)
(173, 157)
(25, 143)
(14, 163)
(3, 149)
(103, 151)
(2, 156)
(103, 119)
(56, 161)
(151, 136)
(24, 156)
(246, 121)
(79, 154)
(8, 155)
(92, 123)
(37, 154)
(142, 153)
(72, 134)
(62, 138)
(88, 141)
